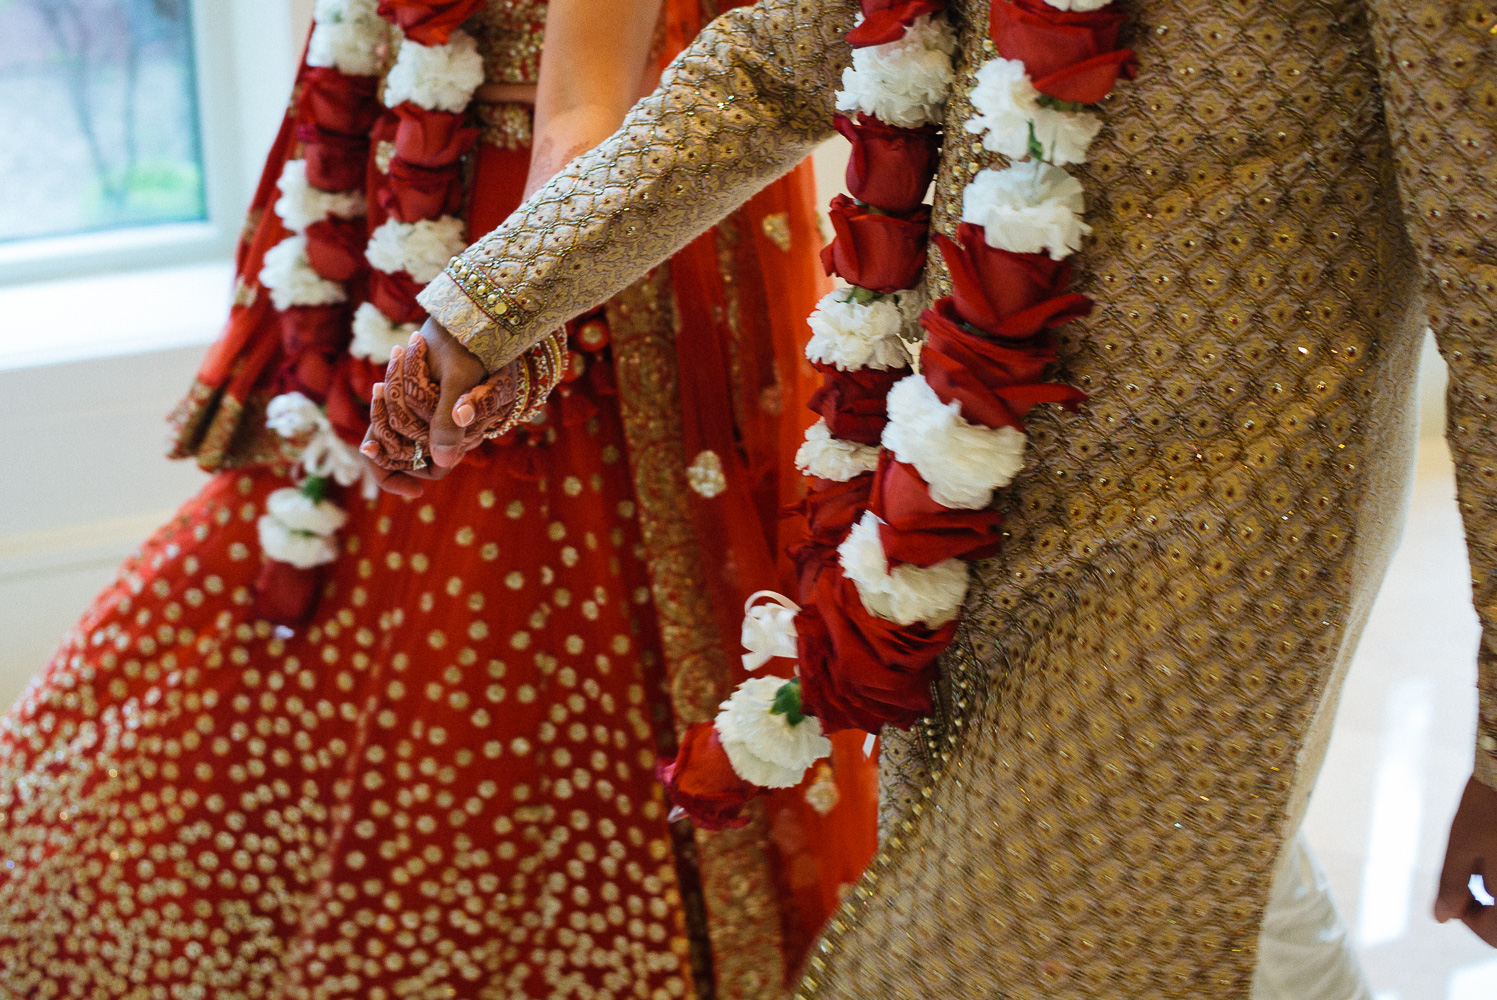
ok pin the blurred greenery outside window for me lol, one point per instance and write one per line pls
(99, 106)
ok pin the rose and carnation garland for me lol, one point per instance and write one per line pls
(345, 278)
(907, 458)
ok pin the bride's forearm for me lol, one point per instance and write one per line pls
(595, 57)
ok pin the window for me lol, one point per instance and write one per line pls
(135, 129)
(98, 99)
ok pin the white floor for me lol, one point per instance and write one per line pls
(1401, 754)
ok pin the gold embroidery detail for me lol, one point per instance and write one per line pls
(777, 228)
(705, 474)
(507, 125)
(384, 155)
(737, 881)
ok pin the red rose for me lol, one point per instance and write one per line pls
(1012, 295)
(414, 193)
(886, 20)
(858, 671)
(891, 168)
(429, 22)
(853, 404)
(1070, 55)
(335, 247)
(995, 383)
(285, 595)
(314, 330)
(431, 139)
(921, 532)
(701, 781)
(348, 397)
(310, 374)
(830, 509)
(335, 162)
(395, 296)
(883, 253)
(332, 100)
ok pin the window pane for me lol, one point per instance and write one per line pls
(98, 106)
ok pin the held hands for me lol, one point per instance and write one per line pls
(1472, 851)
(436, 404)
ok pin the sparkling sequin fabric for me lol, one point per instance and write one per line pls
(511, 35)
(1139, 700)
(442, 787)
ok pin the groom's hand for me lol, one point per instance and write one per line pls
(1472, 851)
(456, 372)
(412, 419)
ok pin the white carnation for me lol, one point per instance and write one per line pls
(963, 463)
(298, 512)
(298, 548)
(436, 77)
(828, 457)
(912, 302)
(910, 594)
(421, 249)
(348, 37)
(301, 205)
(288, 274)
(375, 337)
(1029, 207)
(293, 415)
(299, 531)
(905, 82)
(1008, 109)
(1081, 5)
(851, 335)
(765, 748)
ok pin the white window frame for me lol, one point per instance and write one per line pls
(245, 53)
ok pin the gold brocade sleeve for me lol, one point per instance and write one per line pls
(1439, 73)
(747, 101)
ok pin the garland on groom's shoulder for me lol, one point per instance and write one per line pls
(913, 444)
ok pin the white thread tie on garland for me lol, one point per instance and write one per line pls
(769, 629)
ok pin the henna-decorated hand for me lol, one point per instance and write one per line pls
(435, 401)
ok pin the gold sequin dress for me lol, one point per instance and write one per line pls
(1138, 702)
(443, 787)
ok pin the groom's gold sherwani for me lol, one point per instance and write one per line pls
(1140, 697)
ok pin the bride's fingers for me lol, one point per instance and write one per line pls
(396, 450)
(397, 410)
(418, 392)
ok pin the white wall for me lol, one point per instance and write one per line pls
(85, 479)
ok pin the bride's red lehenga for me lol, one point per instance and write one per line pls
(443, 785)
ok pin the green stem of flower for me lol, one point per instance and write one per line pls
(315, 488)
(787, 703)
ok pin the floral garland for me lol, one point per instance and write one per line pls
(327, 262)
(905, 464)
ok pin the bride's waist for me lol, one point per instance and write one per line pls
(506, 93)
